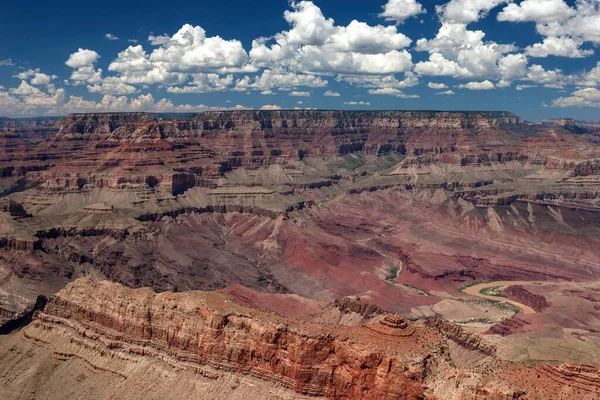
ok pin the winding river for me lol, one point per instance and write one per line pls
(475, 290)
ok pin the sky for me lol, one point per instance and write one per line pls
(536, 58)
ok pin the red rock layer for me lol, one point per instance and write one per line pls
(524, 296)
(207, 328)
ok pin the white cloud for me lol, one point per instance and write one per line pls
(112, 86)
(539, 11)
(37, 78)
(299, 94)
(331, 93)
(548, 78)
(558, 46)
(82, 58)
(523, 87)
(204, 83)
(110, 36)
(134, 41)
(7, 62)
(135, 68)
(461, 53)
(315, 44)
(446, 93)
(277, 78)
(31, 96)
(270, 107)
(587, 97)
(392, 92)
(591, 78)
(83, 61)
(440, 66)
(400, 10)
(159, 40)
(86, 75)
(381, 81)
(191, 50)
(556, 20)
(485, 85)
(357, 103)
(466, 11)
(512, 66)
(584, 24)
(436, 86)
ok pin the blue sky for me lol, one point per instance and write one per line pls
(537, 58)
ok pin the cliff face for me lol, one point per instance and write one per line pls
(177, 152)
(100, 330)
(536, 301)
(208, 329)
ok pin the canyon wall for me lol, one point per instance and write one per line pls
(209, 329)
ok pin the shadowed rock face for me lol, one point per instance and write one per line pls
(290, 210)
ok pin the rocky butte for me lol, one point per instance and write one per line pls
(299, 253)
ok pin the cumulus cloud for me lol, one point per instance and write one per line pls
(540, 11)
(296, 93)
(485, 85)
(315, 44)
(591, 77)
(269, 107)
(400, 10)
(204, 83)
(436, 86)
(37, 78)
(110, 36)
(558, 46)
(466, 11)
(191, 50)
(278, 78)
(587, 97)
(461, 53)
(565, 27)
(331, 93)
(357, 103)
(438, 65)
(584, 23)
(112, 86)
(28, 100)
(392, 92)
(523, 87)
(445, 93)
(30, 96)
(83, 61)
(82, 58)
(549, 78)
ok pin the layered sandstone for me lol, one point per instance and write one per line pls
(209, 329)
(536, 301)
(97, 330)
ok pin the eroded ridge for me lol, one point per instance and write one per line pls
(210, 329)
(583, 377)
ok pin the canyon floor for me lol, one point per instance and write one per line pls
(292, 253)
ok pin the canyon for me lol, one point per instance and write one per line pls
(324, 252)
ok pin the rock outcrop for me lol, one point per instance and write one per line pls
(458, 334)
(536, 301)
(209, 329)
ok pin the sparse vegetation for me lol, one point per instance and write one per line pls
(492, 291)
(393, 274)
